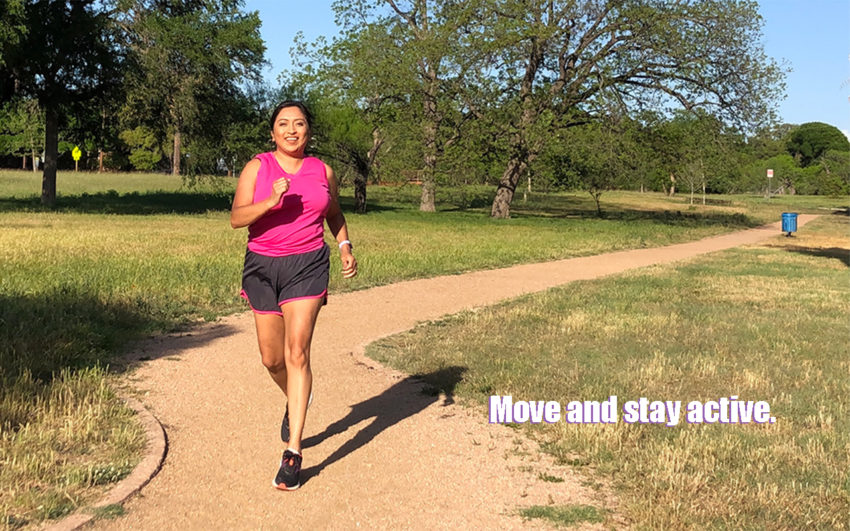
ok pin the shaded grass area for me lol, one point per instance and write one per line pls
(75, 288)
(764, 323)
(130, 203)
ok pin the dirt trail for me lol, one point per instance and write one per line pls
(378, 452)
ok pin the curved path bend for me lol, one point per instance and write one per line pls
(379, 453)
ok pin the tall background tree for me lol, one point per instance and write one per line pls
(407, 53)
(350, 105)
(187, 59)
(599, 157)
(67, 55)
(564, 63)
(811, 140)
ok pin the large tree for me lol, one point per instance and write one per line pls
(809, 141)
(698, 151)
(67, 55)
(563, 63)
(598, 157)
(351, 106)
(769, 141)
(349, 117)
(412, 52)
(346, 136)
(184, 54)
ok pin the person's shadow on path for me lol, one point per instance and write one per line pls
(404, 399)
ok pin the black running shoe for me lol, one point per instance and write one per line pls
(289, 475)
(284, 424)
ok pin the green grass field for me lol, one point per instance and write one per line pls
(767, 322)
(107, 267)
(126, 255)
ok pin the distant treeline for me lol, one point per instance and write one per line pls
(548, 94)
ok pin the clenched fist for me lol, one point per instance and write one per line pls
(279, 187)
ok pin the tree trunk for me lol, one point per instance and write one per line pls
(672, 185)
(175, 157)
(364, 170)
(597, 196)
(703, 194)
(360, 194)
(427, 201)
(521, 155)
(51, 154)
(100, 161)
(362, 167)
(507, 186)
(34, 156)
(23, 162)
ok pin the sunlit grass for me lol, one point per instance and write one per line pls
(767, 322)
(88, 282)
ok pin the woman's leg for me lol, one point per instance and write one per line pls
(272, 337)
(299, 319)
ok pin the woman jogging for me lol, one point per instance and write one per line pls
(284, 198)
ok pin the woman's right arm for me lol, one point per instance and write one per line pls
(244, 211)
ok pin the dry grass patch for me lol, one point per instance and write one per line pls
(764, 323)
(61, 444)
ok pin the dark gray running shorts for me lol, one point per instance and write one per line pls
(270, 281)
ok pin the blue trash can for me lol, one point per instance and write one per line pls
(789, 222)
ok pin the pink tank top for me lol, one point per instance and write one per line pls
(296, 224)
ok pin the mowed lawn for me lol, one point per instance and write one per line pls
(769, 322)
(126, 255)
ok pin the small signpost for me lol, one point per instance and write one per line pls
(76, 154)
(769, 177)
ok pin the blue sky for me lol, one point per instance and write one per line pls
(812, 36)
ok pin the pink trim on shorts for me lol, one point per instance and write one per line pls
(245, 296)
(319, 296)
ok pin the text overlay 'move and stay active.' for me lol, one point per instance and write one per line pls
(725, 410)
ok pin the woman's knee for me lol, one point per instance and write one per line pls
(298, 357)
(273, 358)
(274, 364)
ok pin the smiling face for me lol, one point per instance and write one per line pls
(291, 131)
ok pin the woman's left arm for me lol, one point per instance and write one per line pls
(338, 227)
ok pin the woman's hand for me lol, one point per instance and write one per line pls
(279, 187)
(349, 264)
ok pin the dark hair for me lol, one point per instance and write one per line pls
(292, 103)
